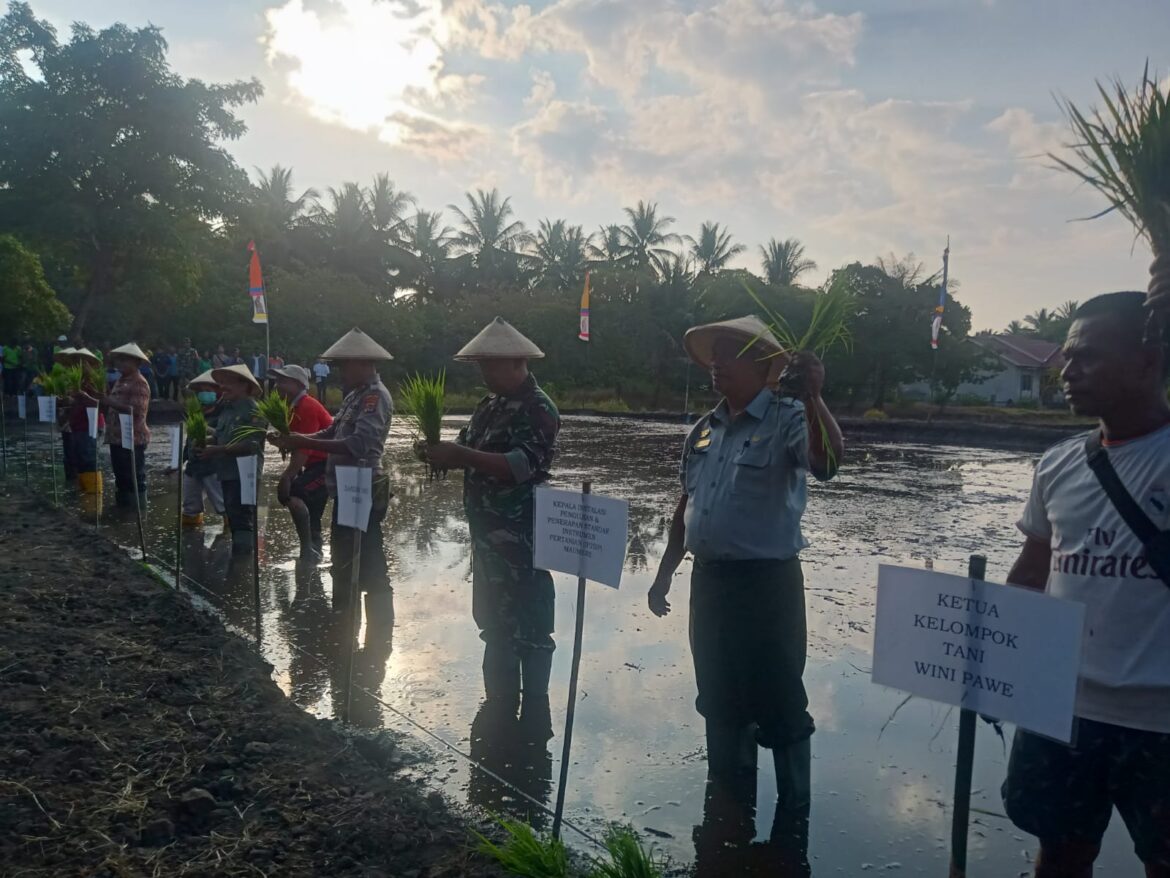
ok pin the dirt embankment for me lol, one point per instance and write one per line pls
(140, 738)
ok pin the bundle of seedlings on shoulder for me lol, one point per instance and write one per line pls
(523, 853)
(627, 857)
(196, 423)
(274, 409)
(1123, 152)
(828, 327)
(423, 402)
(61, 381)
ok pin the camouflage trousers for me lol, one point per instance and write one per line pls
(1062, 793)
(511, 602)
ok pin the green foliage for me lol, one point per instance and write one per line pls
(28, 305)
(523, 853)
(196, 422)
(421, 399)
(272, 408)
(627, 857)
(61, 380)
(1124, 153)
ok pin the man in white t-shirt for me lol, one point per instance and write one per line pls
(321, 378)
(1078, 547)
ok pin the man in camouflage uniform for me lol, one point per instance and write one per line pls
(506, 451)
(357, 435)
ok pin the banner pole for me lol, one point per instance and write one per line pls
(355, 600)
(54, 436)
(179, 512)
(134, 483)
(26, 449)
(256, 551)
(964, 762)
(3, 436)
(571, 711)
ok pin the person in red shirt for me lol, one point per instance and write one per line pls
(302, 486)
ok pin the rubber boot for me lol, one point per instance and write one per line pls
(501, 674)
(1066, 859)
(535, 669)
(793, 776)
(242, 542)
(731, 749)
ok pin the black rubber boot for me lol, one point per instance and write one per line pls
(793, 776)
(536, 668)
(501, 674)
(731, 749)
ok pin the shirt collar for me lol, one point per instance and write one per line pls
(757, 408)
(525, 389)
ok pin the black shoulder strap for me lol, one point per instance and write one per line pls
(1119, 496)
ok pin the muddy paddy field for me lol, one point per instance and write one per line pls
(93, 649)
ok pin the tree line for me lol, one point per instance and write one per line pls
(114, 173)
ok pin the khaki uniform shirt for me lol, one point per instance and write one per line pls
(363, 422)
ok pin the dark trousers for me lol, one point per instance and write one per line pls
(67, 457)
(320, 390)
(83, 449)
(748, 642)
(238, 515)
(126, 464)
(373, 575)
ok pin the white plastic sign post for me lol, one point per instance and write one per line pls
(47, 408)
(126, 425)
(1005, 652)
(355, 496)
(91, 415)
(22, 406)
(176, 451)
(248, 476)
(581, 534)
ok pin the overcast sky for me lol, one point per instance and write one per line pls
(862, 127)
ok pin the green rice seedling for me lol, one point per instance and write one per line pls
(61, 381)
(196, 423)
(1123, 151)
(524, 853)
(627, 857)
(423, 402)
(272, 408)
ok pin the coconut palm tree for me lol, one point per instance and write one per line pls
(387, 206)
(1016, 328)
(1042, 323)
(713, 248)
(784, 261)
(272, 199)
(488, 224)
(559, 250)
(645, 235)
(425, 235)
(607, 245)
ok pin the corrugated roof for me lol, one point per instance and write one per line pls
(1024, 351)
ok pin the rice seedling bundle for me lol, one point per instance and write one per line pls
(523, 853)
(61, 380)
(275, 410)
(1123, 151)
(422, 400)
(196, 423)
(627, 857)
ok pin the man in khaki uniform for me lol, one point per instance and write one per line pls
(356, 436)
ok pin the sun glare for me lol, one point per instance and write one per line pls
(362, 62)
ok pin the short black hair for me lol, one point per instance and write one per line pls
(1129, 305)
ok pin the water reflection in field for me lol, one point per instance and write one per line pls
(880, 796)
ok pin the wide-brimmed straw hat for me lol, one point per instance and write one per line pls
(87, 354)
(499, 340)
(64, 354)
(699, 341)
(204, 379)
(238, 371)
(130, 350)
(299, 374)
(356, 345)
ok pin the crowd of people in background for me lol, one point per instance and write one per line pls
(168, 370)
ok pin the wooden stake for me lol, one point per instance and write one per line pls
(964, 762)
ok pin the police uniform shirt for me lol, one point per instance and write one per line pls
(745, 481)
(363, 422)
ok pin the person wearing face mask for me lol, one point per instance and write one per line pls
(238, 390)
(199, 476)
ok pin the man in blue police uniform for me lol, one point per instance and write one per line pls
(744, 490)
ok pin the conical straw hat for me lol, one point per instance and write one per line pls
(130, 350)
(217, 375)
(356, 345)
(205, 380)
(65, 354)
(699, 341)
(87, 354)
(499, 340)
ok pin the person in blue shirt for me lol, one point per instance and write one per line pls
(744, 488)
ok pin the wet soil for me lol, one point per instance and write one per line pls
(141, 738)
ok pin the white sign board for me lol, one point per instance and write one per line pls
(1001, 651)
(91, 415)
(22, 406)
(47, 408)
(176, 448)
(581, 534)
(249, 476)
(355, 497)
(126, 425)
